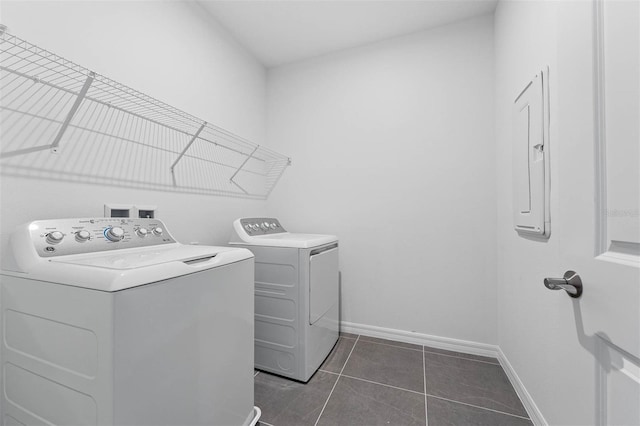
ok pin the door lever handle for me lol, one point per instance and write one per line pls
(571, 283)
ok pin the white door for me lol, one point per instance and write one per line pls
(598, 148)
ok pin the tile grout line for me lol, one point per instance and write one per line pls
(347, 337)
(381, 384)
(436, 353)
(337, 380)
(477, 406)
(393, 346)
(328, 372)
(424, 376)
(461, 357)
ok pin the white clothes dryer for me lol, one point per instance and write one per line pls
(112, 322)
(296, 296)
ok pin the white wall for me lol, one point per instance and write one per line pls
(393, 151)
(536, 331)
(521, 50)
(169, 50)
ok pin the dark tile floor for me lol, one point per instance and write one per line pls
(370, 381)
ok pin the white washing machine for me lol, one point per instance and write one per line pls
(112, 322)
(296, 296)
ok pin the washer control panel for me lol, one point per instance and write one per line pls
(261, 226)
(61, 237)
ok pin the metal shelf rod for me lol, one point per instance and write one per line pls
(128, 111)
(72, 111)
(93, 99)
(146, 145)
(193, 139)
(240, 168)
(115, 134)
(238, 186)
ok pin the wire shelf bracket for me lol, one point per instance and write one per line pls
(72, 111)
(115, 135)
(193, 139)
(240, 168)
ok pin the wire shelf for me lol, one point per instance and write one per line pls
(59, 120)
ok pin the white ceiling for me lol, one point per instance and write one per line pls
(283, 31)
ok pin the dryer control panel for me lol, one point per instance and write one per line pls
(261, 226)
(61, 237)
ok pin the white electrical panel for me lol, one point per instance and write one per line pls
(531, 158)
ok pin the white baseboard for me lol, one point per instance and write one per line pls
(529, 404)
(464, 346)
(457, 345)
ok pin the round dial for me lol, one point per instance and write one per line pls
(265, 225)
(272, 226)
(114, 234)
(142, 232)
(247, 227)
(54, 237)
(158, 231)
(82, 236)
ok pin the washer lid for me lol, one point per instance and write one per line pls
(141, 258)
(127, 268)
(288, 239)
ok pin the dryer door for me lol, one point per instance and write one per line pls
(323, 282)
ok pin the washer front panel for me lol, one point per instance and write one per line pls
(61, 237)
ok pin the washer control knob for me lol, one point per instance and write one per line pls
(272, 226)
(158, 231)
(264, 225)
(142, 232)
(54, 237)
(248, 227)
(82, 236)
(114, 234)
(255, 226)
